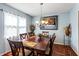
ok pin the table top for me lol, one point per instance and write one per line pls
(42, 45)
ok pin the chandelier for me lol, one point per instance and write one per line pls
(37, 23)
(41, 4)
(41, 17)
(41, 8)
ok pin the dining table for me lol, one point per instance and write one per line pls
(37, 45)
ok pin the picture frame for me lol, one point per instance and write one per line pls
(49, 23)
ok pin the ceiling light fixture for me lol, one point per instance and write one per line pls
(41, 4)
(41, 8)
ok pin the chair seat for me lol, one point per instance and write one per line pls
(27, 52)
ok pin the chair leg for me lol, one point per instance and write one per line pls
(33, 53)
(37, 54)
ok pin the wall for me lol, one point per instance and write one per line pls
(74, 24)
(4, 46)
(29, 22)
(78, 33)
(1, 33)
(63, 20)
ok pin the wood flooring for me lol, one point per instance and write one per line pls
(58, 50)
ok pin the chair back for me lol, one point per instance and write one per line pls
(45, 34)
(23, 36)
(15, 46)
(52, 39)
(30, 34)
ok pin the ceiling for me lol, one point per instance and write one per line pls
(34, 9)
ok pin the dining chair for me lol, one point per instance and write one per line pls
(49, 50)
(45, 33)
(52, 39)
(26, 37)
(30, 34)
(15, 45)
(23, 36)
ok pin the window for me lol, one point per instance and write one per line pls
(13, 25)
(22, 25)
(10, 25)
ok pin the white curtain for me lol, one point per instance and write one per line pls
(22, 25)
(13, 26)
(10, 25)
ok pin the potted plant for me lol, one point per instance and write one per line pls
(32, 28)
(68, 30)
(40, 37)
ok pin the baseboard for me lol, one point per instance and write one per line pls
(58, 43)
(74, 52)
(4, 53)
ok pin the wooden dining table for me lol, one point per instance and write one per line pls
(37, 45)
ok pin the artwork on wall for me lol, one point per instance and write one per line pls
(49, 23)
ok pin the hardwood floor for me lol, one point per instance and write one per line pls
(61, 50)
(58, 50)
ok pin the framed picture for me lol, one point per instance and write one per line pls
(49, 23)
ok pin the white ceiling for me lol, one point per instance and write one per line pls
(34, 9)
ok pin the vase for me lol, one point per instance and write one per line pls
(40, 39)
